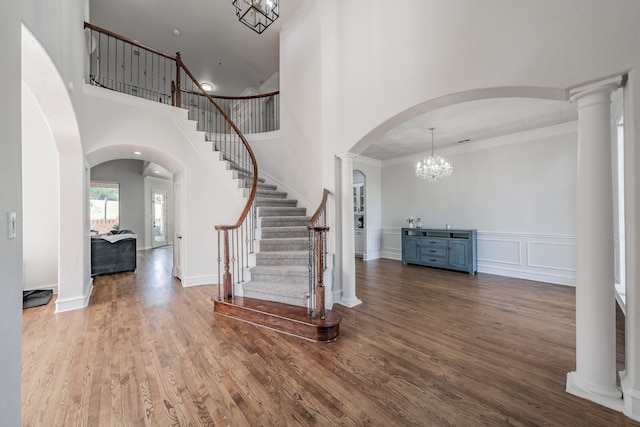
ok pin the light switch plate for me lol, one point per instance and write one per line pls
(11, 225)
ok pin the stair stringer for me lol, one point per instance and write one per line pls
(214, 159)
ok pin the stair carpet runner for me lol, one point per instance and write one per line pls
(281, 273)
(277, 295)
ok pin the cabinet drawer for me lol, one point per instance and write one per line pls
(433, 252)
(436, 262)
(433, 242)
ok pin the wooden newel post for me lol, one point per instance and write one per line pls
(178, 90)
(226, 276)
(173, 93)
(319, 272)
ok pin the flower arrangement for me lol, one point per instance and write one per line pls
(410, 220)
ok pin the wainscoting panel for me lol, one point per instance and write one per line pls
(539, 257)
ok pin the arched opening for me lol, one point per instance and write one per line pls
(143, 171)
(43, 81)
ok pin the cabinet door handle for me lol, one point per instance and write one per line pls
(433, 251)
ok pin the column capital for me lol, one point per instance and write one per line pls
(346, 155)
(610, 84)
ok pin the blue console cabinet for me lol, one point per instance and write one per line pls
(442, 248)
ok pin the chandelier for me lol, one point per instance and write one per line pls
(433, 167)
(256, 14)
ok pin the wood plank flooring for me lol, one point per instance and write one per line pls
(426, 348)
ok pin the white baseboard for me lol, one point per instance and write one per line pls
(199, 280)
(631, 398)
(610, 398)
(75, 303)
(527, 275)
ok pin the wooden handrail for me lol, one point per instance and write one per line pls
(254, 163)
(127, 40)
(227, 277)
(262, 95)
(323, 205)
(176, 100)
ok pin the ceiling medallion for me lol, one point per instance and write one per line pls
(433, 167)
(257, 14)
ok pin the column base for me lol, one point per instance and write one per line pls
(609, 397)
(349, 302)
(631, 398)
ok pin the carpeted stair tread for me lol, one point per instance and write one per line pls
(279, 221)
(264, 194)
(284, 232)
(281, 211)
(273, 202)
(285, 244)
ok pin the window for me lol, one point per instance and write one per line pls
(104, 204)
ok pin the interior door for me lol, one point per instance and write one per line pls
(159, 224)
(178, 198)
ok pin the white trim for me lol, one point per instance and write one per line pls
(74, 303)
(368, 161)
(199, 280)
(610, 398)
(630, 397)
(615, 81)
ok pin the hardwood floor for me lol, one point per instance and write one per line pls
(426, 347)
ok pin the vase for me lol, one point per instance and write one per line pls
(410, 225)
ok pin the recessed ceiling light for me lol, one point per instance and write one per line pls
(176, 32)
(207, 86)
(156, 171)
(137, 153)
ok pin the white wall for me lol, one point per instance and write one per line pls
(127, 173)
(39, 198)
(11, 189)
(58, 26)
(518, 191)
(165, 136)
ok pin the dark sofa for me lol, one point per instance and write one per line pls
(117, 257)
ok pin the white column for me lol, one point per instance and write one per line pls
(595, 374)
(630, 377)
(348, 274)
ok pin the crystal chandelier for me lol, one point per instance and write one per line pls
(433, 167)
(256, 14)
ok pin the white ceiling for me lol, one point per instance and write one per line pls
(474, 121)
(219, 49)
(213, 44)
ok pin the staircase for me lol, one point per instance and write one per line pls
(277, 294)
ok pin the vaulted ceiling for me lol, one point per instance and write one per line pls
(219, 49)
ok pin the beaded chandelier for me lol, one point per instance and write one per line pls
(433, 167)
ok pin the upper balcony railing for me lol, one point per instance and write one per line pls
(124, 65)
